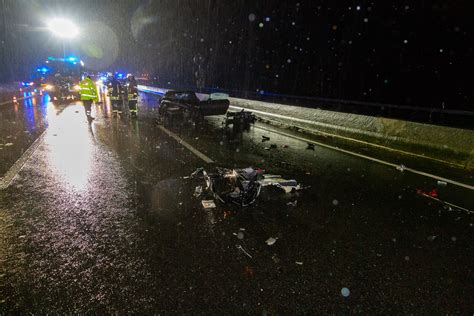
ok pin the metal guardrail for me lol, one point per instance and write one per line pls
(437, 116)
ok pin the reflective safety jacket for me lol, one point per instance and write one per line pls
(88, 90)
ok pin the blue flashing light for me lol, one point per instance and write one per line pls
(42, 70)
(72, 59)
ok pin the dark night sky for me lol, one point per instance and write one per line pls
(403, 52)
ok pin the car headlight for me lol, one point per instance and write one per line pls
(49, 87)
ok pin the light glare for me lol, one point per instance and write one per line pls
(63, 28)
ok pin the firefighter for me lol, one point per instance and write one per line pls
(132, 92)
(88, 92)
(115, 93)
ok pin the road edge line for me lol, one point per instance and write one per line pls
(15, 169)
(345, 137)
(422, 173)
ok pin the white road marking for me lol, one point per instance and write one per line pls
(429, 175)
(20, 163)
(19, 99)
(345, 137)
(185, 144)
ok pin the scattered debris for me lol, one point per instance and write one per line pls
(433, 193)
(401, 168)
(442, 183)
(198, 191)
(248, 272)
(243, 250)
(275, 259)
(273, 146)
(208, 204)
(271, 241)
(284, 146)
(265, 138)
(345, 292)
(310, 146)
(292, 203)
(240, 121)
(300, 263)
(431, 238)
(8, 144)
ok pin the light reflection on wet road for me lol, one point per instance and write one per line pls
(101, 220)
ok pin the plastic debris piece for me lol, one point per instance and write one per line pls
(240, 235)
(271, 241)
(198, 191)
(345, 292)
(248, 272)
(292, 203)
(310, 146)
(433, 193)
(208, 204)
(431, 238)
(8, 144)
(275, 259)
(401, 168)
(442, 183)
(284, 146)
(265, 138)
(243, 250)
(300, 263)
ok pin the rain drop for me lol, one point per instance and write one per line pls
(335, 202)
(345, 292)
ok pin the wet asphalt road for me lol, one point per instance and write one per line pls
(100, 219)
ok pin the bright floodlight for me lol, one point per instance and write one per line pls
(63, 28)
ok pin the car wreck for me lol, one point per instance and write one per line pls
(241, 187)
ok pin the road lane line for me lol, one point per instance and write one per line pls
(426, 174)
(185, 144)
(19, 99)
(20, 163)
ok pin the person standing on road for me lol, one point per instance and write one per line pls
(88, 92)
(132, 95)
(115, 93)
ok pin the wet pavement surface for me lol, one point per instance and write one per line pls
(101, 219)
